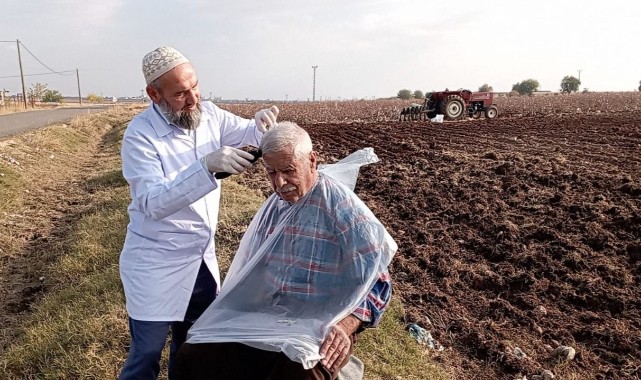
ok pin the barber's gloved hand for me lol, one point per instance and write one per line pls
(266, 118)
(228, 159)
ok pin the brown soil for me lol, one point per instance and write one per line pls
(513, 233)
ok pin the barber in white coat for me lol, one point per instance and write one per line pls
(170, 154)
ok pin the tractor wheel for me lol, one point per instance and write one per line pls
(491, 112)
(453, 107)
(404, 115)
(476, 114)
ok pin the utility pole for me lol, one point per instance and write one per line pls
(580, 74)
(24, 90)
(78, 80)
(314, 84)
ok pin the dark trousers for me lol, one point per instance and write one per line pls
(236, 361)
(148, 338)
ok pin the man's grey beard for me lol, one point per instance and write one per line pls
(189, 120)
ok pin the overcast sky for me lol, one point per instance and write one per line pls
(363, 48)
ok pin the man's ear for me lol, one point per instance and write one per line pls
(154, 94)
(312, 160)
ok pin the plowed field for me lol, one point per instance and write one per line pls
(516, 235)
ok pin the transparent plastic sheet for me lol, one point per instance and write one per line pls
(270, 299)
(346, 170)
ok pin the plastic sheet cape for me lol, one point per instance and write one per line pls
(346, 170)
(270, 298)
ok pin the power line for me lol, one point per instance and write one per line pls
(71, 72)
(36, 58)
(22, 75)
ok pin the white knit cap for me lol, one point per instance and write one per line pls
(160, 61)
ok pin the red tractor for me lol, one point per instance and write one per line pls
(453, 105)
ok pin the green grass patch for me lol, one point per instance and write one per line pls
(109, 179)
(58, 138)
(96, 241)
(111, 141)
(389, 352)
(79, 329)
(69, 139)
(238, 205)
(82, 130)
(77, 333)
(10, 187)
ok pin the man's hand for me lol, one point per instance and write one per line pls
(229, 160)
(266, 118)
(336, 347)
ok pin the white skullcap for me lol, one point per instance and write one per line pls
(160, 61)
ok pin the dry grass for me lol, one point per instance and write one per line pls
(10, 181)
(11, 108)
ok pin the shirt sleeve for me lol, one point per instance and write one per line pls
(235, 131)
(152, 193)
(371, 310)
(203, 164)
(363, 237)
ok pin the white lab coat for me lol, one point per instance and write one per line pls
(174, 208)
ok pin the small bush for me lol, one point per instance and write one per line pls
(52, 96)
(93, 98)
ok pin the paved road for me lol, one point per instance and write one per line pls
(21, 122)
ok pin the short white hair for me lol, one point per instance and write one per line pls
(284, 135)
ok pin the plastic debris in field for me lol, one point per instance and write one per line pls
(424, 337)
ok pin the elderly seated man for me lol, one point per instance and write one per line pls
(310, 273)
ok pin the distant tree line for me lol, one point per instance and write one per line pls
(408, 94)
(569, 84)
(526, 87)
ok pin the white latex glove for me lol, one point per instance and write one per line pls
(229, 160)
(266, 118)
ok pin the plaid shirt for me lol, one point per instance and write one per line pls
(330, 243)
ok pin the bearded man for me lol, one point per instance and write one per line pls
(171, 153)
